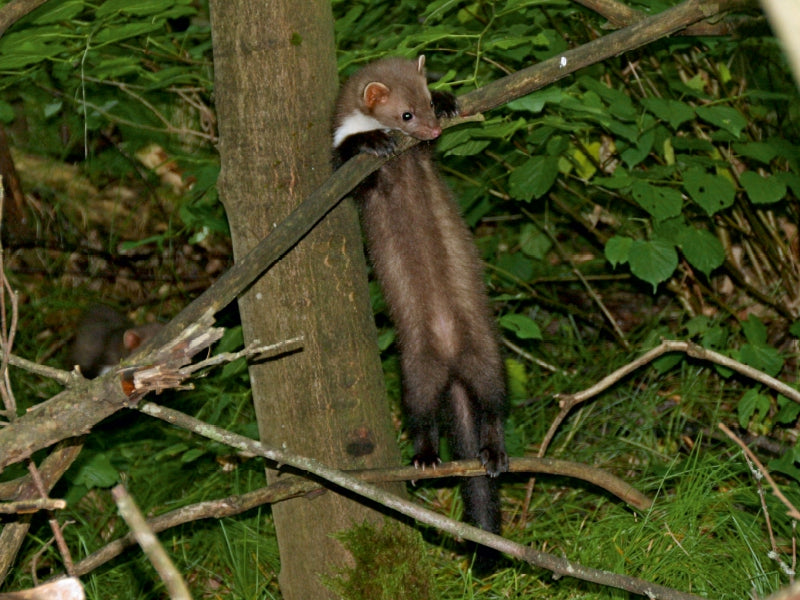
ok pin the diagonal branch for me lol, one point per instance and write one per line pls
(555, 564)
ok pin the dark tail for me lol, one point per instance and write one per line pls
(472, 429)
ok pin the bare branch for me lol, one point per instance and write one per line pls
(347, 481)
(162, 563)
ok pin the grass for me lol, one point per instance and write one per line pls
(706, 532)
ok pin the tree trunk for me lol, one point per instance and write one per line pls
(275, 85)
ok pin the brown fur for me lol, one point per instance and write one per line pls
(431, 277)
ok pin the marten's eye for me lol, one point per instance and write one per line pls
(407, 116)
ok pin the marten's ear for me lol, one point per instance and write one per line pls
(421, 64)
(131, 340)
(375, 93)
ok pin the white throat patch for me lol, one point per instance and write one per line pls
(356, 122)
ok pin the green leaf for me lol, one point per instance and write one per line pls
(712, 192)
(724, 117)
(120, 32)
(534, 242)
(754, 330)
(761, 357)
(653, 261)
(617, 250)
(140, 8)
(760, 151)
(635, 154)
(533, 178)
(58, 12)
(535, 102)
(192, 455)
(751, 401)
(788, 411)
(787, 464)
(517, 376)
(702, 249)
(794, 329)
(661, 202)
(523, 326)
(762, 190)
(619, 180)
(673, 112)
(97, 472)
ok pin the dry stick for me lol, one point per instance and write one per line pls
(51, 470)
(344, 480)
(569, 401)
(58, 532)
(792, 511)
(176, 586)
(293, 486)
(26, 507)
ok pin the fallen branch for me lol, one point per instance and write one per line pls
(348, 482)
(294, 486)
(569, 401)
(173, 581)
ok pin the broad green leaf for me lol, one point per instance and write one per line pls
(517, 376)
(661, 202)
(788, 412)
(652, 261)
(712, 192)
(762, 357)
(762, 190)
(670, 230)
(534, 242)
(752, 401)
(523, 326)
(535, 102)
(702, 249)
(638, 152)
(673, 112)
(618, 249)
(761, 151)
(787, 464)
(97, 472)
(724, 117)
(533, 178)
(619, 180)
(754, 330)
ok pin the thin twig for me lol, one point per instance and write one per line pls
(169, 574)
(792, 511)
(55, 527)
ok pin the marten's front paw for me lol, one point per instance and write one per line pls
(379, 143)
(444, 104)
(494, 460)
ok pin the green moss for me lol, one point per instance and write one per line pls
(390, 563)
